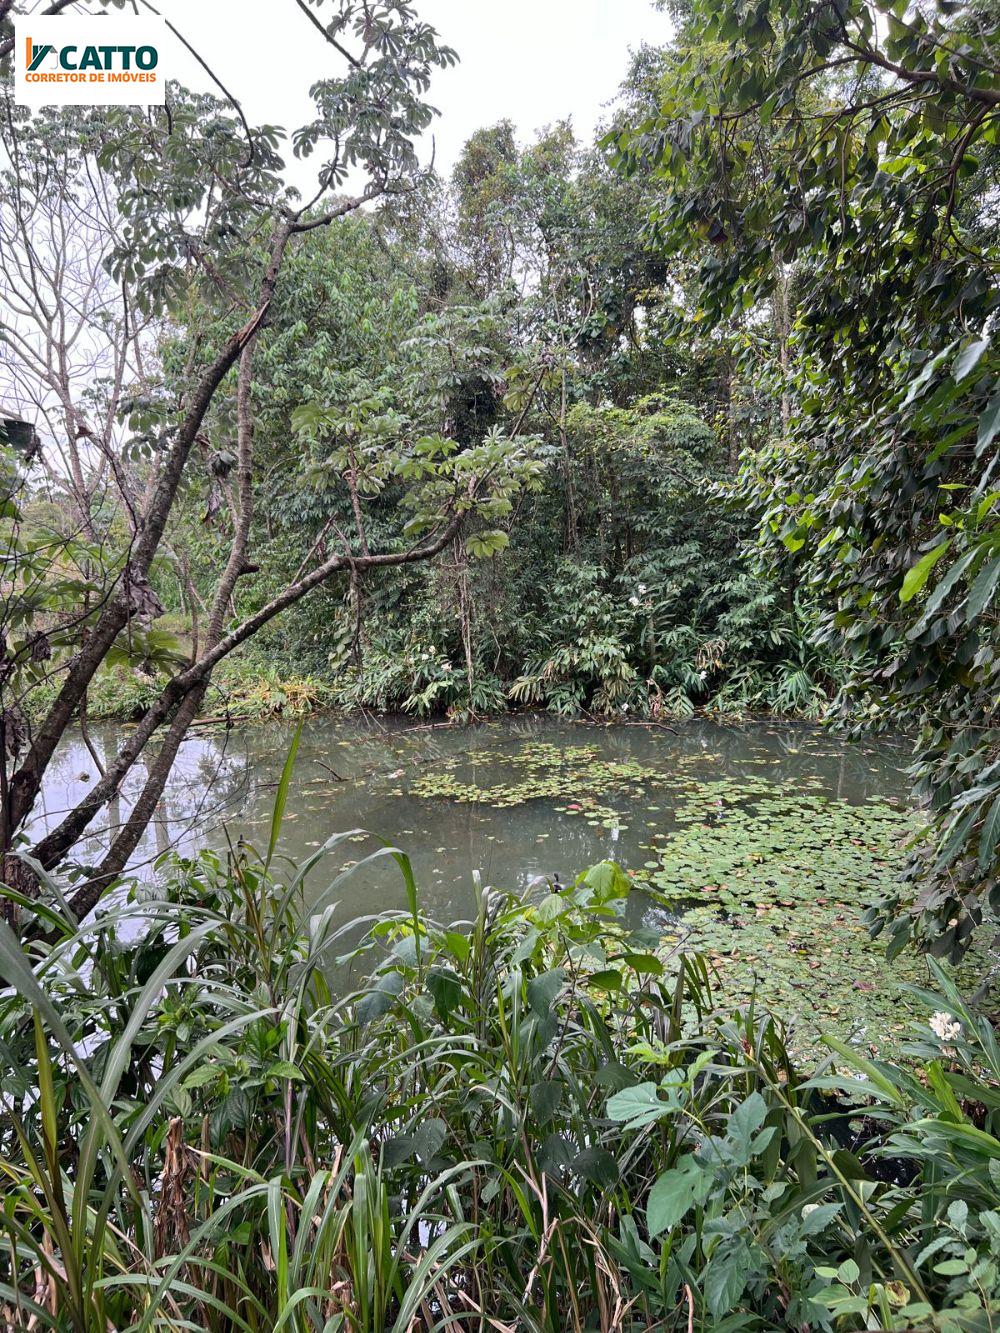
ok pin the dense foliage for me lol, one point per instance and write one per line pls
(512, 299)
(525, 1121)
(703, 416)
(116, 227)
(831, 168)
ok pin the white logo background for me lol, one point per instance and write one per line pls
(72, 30)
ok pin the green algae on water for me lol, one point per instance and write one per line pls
(769, 882)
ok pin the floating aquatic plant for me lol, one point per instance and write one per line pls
(771, 885)
(769, 881)
(574, 777)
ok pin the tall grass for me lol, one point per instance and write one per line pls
(528, 1121)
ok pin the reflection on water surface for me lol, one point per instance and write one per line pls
(554, 797)
(762, 843)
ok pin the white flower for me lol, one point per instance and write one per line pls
(633, 601)
(945, 1026)
(446, 666)
(642, 587)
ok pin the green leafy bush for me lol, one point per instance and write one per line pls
(531, 1118)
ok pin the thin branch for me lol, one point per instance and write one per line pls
(56, 7)
(328, 36)
(347, 206)
(230, 98)
(987, 96)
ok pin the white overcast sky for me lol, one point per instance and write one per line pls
(532, 61)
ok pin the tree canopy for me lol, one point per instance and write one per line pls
(834, 165)
(703, 415)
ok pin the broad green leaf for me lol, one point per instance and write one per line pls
(379, 1000)
(446, 988)
(596, 1165)
(201, 1076)
(919, 574)
(676, 1193)
(968, 358)
(609, 980)
(638, 1106)
(486, 544)
(984, 585)
(989, 425)
(725, 1280)
(284, 1069)
(848, 1272)
(549, 909)
(429, 1138)
(542, 990)
(458, 945)
(747, 1119)
(989, 838)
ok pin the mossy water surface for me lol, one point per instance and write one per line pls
(768, 876)
(760, 845)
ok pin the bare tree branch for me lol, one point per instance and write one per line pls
(50, 850)
(326, 35)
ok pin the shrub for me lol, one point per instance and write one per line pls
(529, 1120)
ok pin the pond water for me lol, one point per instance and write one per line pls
(535, 777)
(758, 845)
